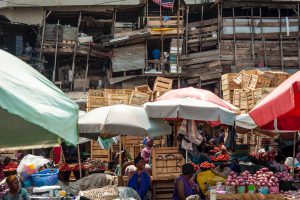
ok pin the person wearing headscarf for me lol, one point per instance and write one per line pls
(146, 152)
(184, 185)
(140, 181)
(15, 192)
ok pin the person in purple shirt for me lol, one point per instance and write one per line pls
(184, 185)
(146, 152)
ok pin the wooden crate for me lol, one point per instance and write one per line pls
(257, 95)
(228, 83)
(280, 77)
(100, 154)
(96, 93)
(114, 99)
(228, 95)
(143, 89)
(265, 92)
(239, 78)
(96, 102)
(236, 97)
(253, 82)
(166, 163)
(163, 189)
(163, 84)
(138, 98)
(245, 80)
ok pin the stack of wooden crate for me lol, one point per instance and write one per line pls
(247, 88)
(161, 86)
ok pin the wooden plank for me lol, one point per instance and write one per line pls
(197, 55)
(201, 60)
(203, 23)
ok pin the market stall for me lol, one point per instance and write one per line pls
(192, 105)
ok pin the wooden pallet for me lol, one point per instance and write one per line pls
(99, 154)
(114, 99)
(163, 189)
(166, 163)
(138, 98)
(163, 84)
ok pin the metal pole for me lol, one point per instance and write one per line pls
(87, 67)
(120, 156)
(79, 161)
(75, 51)
(43, 35)
(294, 154)
(55, 55)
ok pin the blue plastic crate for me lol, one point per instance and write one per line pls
(46, 177)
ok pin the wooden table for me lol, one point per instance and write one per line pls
(248, 196)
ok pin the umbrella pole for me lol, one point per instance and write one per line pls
(79, 161)
(186, 156)
(120, 155)
(294, 155)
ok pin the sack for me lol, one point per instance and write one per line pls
(30, 164)
(207, 179)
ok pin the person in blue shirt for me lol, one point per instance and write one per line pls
(156, 54)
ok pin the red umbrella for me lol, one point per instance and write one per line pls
(194, 93)
(280, 110)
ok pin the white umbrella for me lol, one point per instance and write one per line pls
(121, 120)
(190, 108)
(245, 121)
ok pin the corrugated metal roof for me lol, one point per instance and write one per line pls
(194, 2)
(50, 3)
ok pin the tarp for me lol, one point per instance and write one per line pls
(34, 113)
(245, 121)
(280, 110)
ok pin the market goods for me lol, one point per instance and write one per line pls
(207, 165)
(196, 167)
(222, 158)
(264, 156)
(106, 193)
(292, 194)
(65, 167)
(12, 166)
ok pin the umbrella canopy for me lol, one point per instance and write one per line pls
(121, 120)
(195, 93)
(190, 108)
(34, 113)
(280, 110)
(245, 121)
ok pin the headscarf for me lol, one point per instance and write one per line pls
(146, 140)
(188, 169)
(10, 179)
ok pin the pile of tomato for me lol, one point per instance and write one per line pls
(207, 165)
(12, 166)
(222, 158)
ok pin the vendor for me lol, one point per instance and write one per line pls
(222, 170)
(184, 186)
(223, 151)
(146, 152)
(15, 192)
(278, 163)
(140, 181)
(221, 137)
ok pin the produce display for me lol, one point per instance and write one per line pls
(264, 156)
(207, 165)
(261, 179)
(12, 166)
(292, 194)
(222, 158)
